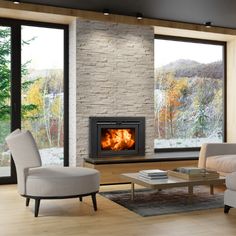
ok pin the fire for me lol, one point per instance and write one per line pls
(117, 139)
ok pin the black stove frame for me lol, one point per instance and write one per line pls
(95, 128)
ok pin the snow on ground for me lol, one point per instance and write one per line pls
(194, 142)
(52, 156)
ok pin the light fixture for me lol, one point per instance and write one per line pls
(106, 12)
(139, 16)
(16, 2)
(208, 24)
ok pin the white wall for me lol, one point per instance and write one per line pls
(114, 77)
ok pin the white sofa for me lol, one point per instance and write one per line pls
(220, 157)
(230, 192)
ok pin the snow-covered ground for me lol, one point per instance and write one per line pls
(52, 156)
(194, 142)
(49, 156)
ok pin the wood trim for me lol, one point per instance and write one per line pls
(70, 14)
(110, 174)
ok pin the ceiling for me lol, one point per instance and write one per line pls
(219, 12)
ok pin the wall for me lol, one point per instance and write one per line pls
(72, 93)
(231, 94)
(114, 77)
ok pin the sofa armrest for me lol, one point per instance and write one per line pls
(230, 181)
(215, 149)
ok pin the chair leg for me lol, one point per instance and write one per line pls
(27, 201)
(81, 199)
(93, 195)
(226, 209)
(37, 204)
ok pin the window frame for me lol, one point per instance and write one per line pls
(15, 26)
(224, 57)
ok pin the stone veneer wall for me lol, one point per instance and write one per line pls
(114, 77)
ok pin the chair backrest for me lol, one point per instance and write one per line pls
(25, 155)
(23, 149)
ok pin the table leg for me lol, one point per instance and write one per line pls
(190, 190)
(212, 189)
(132, 191)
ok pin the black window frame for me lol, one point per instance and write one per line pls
(15, 26)
(224, 54)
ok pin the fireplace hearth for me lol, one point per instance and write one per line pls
(116, 136)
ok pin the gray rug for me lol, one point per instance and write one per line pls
(168, 201)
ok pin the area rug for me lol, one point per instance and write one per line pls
(168, 201)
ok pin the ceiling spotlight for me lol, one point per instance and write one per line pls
(16, 2)
(106, 12)
(208, 24)
(139, 16)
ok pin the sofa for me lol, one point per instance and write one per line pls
(230, 192)
(220, 157)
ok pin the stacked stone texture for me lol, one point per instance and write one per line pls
(114, 76)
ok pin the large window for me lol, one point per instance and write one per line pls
(34, 89)
(189, 92)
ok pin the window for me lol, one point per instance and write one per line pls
(42, 100)
(34, 89)
(189, 92)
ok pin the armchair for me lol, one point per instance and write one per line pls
(38, 182)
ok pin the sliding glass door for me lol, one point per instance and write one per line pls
(34, 69)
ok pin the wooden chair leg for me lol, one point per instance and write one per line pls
(27, 201)
(37, 204)
(94, 201)
(81, 199)
(226, 209)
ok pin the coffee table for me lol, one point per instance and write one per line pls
(170, 182)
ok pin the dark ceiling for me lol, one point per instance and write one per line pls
(219, 12)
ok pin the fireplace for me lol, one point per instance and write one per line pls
(116, 136)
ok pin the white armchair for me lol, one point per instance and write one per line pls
(38, 182)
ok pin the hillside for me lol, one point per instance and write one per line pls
(189, 68)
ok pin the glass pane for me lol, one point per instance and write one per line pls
(43, 91)
(189, 83)
(5, 97)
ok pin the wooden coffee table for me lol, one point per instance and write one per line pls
(171, 182)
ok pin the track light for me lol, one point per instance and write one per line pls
(106, 12)
(139, 16)
(16, 2)
(208, 24)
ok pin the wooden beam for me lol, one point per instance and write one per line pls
(90, 15)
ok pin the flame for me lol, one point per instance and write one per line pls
(117, 139)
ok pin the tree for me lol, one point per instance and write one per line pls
(5, 76)
(4, 73)
(174, 90)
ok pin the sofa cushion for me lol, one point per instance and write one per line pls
(61, 181)
(222, 163)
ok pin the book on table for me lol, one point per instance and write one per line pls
(153, 174)
(191, 170)
(153, 177)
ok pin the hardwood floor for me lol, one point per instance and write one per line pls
(72, 217)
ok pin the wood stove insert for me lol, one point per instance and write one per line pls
(116, 136)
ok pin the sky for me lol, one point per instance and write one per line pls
(167, 51)
(46, 50)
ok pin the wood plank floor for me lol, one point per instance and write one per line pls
(70, 217)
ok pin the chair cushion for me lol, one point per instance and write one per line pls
(231, 182)
(61, 181)
(222, 163)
